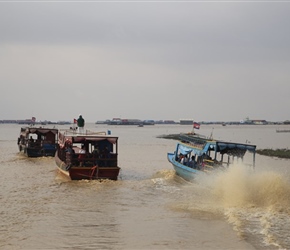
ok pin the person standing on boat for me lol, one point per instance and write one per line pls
(184, 160)
(69, 148)
(81, 124)
(31, 141)
(96, 154)
(191, 163)
(69, 155)
(82, 156)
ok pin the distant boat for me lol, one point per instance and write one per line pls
(148, 122)
(283, 130)
(98, 161)
(102, 122)
(195, 155)
(37, 141)
(186, 122)
(63, 122)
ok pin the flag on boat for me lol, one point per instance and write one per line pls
(75, 121)
(196, 125)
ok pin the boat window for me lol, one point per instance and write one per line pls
(33, 136)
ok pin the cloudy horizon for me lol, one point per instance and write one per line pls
(207, 61)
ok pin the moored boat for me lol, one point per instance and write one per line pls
(37, 141)
(195, 154)
(283, 130)
(92, 155)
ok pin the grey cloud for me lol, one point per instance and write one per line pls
(224, 51)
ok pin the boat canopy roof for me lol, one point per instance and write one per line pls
(67, 136)
(200, 146)
(34, 130)
(185, 149)
(234, 149)
(229, 146)
(98, 138)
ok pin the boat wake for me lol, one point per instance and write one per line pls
(239, 187)
(257, 204)
(165, 180)
(164, 174)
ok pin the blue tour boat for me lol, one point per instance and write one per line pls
(195, 154)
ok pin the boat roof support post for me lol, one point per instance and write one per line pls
(176, 150)
(117, 152)
(215, 152)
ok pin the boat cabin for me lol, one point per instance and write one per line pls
(88, 150)
(204, 154)
(38, 141)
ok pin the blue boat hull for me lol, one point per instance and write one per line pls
(185, 172)
(46, 150)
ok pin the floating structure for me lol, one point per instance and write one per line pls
(186, 121)
(119, 121)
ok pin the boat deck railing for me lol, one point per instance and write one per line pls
(71, 132)
(214, 163)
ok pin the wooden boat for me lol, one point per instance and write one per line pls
(37, 141)
(195, 155)
(93, 155)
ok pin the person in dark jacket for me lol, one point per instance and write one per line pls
(81, 124)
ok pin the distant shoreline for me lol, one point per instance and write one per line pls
(280, 153)
(170, 136)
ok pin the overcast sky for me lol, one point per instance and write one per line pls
(207, 61)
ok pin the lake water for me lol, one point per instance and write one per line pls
(149, 207)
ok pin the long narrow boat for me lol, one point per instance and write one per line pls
(283, 130)
(92, 155)
(195, 154)
(37, 141)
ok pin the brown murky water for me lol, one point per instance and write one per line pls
(148, 207)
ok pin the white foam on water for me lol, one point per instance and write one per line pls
(256, 203)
